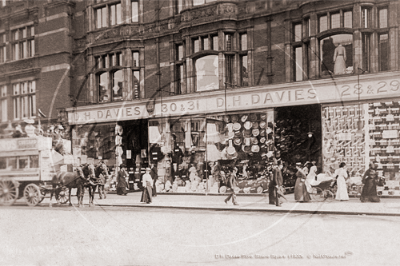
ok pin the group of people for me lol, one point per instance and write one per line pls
(302, 189)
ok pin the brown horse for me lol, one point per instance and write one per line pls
(88, 172)
(69, 180)
(103, 179)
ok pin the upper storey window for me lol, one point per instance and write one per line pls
(23, 42)
(202, 2)
(108, 15)
(3, 48)
(383, 18)
(334, 20)
(337, 54)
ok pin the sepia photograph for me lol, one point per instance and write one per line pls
(199, 132)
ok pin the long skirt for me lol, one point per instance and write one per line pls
(369, 191)
(121, 190)
(154, 190)
(300, 191)
(146, 195)
(341, 193)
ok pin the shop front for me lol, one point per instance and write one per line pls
(113, 134)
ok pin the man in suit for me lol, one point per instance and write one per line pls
(275, 182)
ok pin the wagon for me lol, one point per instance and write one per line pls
(26, 170)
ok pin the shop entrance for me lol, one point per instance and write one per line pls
(135, 144)
(298, 134)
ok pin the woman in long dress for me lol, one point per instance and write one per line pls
(339, 58)
(341, 173)
(311, 176)
(369, 180)
(147, 182)
(300, 190)
(121, 181)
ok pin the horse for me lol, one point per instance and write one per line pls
(69, 180)
(103, 179)
(89, 173)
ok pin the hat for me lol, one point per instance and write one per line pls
(263, 116)
(227, 118)
(60, 127)
(236, 126)
(234, 118)
(244, 118)
(247, 133)
(262, 124)
(237, 141)
(299, 164)
(253, 118)
(256, 132)
(247, 125)
(122, 166)
(306, 163)
(148, 169)
(255, 125)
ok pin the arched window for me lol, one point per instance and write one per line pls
(206, 69)
(336, 53)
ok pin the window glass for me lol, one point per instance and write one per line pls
(365, 17)
(104, 17)
(180, 52)
(118, 81)
(335, 20)
(243, 42)
(23, 162)
(34, 161)
(205, 43)
(215, 42)
(383, 52)
(135, 11)
(119, 14)
(323, 23)
(196, 45)
(32, 105)
(228, 42)
(297, 32)
(337, 54)
(298, 56)
(244, 72)
(12, 163)
(207, 73)
(3, 163)
(135, 59)
(112, 15)
(104, 92)
(198, 2)
(383, 20)
(135, 83)
(348, 19)
(98, 20)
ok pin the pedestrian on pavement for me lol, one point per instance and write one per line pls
(121, 180)
(312, 175)
(275, 183)
(300, 190)
(147, 185)
(231, 183)
(370, 180)
(341, 177)
(154, 176)
(306, 168)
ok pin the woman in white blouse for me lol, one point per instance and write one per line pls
(147, 182)
(341, 175)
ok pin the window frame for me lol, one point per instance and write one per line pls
(180, 67)
(23, 47)
(24, 100)
(4, 100)
(3, 47)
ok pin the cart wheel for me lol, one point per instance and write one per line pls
(222, 189)
(32, 194)
(260, 190)
(8, 192)
(63, 196)
(42, 194)
(318, 194)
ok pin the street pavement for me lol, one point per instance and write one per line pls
(387, 206)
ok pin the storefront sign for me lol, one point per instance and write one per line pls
(18, 144)
(313, 92)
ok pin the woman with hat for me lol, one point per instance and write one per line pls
(121, 181)
(311, 176)
(300, 190)
(147, 182)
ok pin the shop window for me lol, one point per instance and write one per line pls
(3, 48)
(3, 103)
(244, 73)
(243, 42)
(383, 18)
(23, 43)
(298, 63)
(206, 69)
(24, 100)
(202, 2)
(337, 54)
(214, 39)
(229, 70)
(135, 10)
(335, 20)
(383, 52)
(228, 42)
(365, 17)
(117, 86)
(178, 6)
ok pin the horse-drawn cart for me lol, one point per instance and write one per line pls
(26, 170)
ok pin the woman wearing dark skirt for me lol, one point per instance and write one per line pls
(121, 181)
(147, 182)
(370, 180)
(300, 189)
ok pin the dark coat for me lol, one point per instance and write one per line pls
(121, 180)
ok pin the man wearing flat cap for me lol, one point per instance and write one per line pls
(275, 183)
